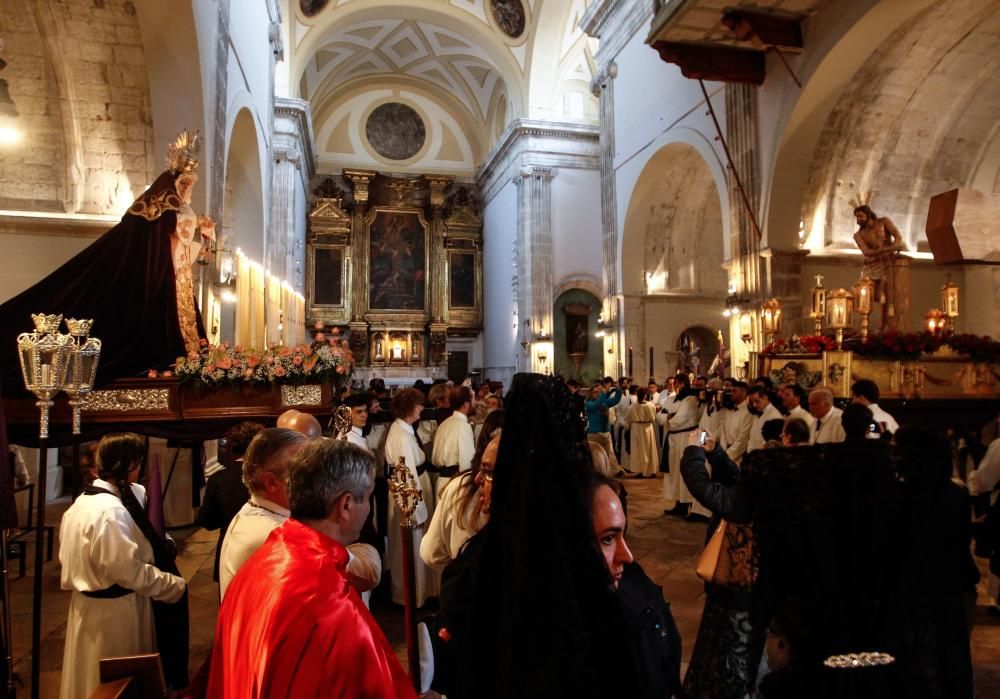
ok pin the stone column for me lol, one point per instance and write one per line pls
(359, 179)
(534, 245)
(602, 86)
(745, 268)
(437, 276)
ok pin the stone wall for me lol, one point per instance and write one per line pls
(77, 72)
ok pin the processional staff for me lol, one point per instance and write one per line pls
(407, 494)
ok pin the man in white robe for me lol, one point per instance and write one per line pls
(826, 417)
(454, 443)
(766, 411)
(402, 442)
(792, 396)
(865, 392)
(265, 467)
(737, 423)
(103, 551)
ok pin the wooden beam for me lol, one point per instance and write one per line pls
(714, 63)
(781, 31)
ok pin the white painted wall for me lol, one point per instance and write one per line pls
(499, 333)
(576, 225)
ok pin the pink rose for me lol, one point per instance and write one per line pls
(318, 325)
(238, 349)
(226, 363)
(341, 369)
(225, 346)
(253, 360)
(269, 360)
(335, 330)
(248, 373)
(167, 374)
(151, 374)
(279, 371)
(307, 351)
(209, 368)
(297, 360)
(320, 337)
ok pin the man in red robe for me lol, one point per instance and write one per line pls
(291, 625)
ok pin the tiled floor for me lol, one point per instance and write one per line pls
(666, 547)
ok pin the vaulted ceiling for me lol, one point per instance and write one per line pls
(449, 60)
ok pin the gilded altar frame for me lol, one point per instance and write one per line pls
(329, 230)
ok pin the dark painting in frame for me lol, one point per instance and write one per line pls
(462, 280)
(328, 276)
(397, 261)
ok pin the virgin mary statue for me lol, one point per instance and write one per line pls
(135, 281)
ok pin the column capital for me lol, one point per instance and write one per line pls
(360, 179)
(605, 74)
(543, 173)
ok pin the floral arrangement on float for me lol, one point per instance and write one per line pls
(911, 346)
(327, 359)
(895, 345)
(801, 344)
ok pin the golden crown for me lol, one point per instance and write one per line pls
(182, 154)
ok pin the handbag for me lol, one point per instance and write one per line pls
(727, 557)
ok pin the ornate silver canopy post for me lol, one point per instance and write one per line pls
(407, 494)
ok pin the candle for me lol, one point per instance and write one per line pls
(46, 375)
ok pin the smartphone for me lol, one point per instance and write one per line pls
(702, 438)
(873, 428)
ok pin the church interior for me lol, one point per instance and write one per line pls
(466, 190)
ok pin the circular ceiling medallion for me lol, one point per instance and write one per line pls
(311, 8)
(395, 131)
(509, 16)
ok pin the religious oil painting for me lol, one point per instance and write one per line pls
(509, 16)
(328, 276)
(577, 338)
(462, 280)
(397, 262)
(311, 8)
(395, 131)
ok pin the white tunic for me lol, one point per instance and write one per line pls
(247, 532)
(254, 523)
(828, 429)
(402, 442)
(445, 537)
(355, 437)
(99, 546)
(687, 413)
(454, 445)
(756, 440)
(804, 415)
(736, 426)
(887, 421)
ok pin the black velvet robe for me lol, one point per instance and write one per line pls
(124, 281)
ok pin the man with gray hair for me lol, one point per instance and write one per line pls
(293, 595)
(265, 467)
(827, 427)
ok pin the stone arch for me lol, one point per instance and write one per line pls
(674, 232)
(588, 283)
(574, 324)
(707, 343)
(895, 100)
(243, 221)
